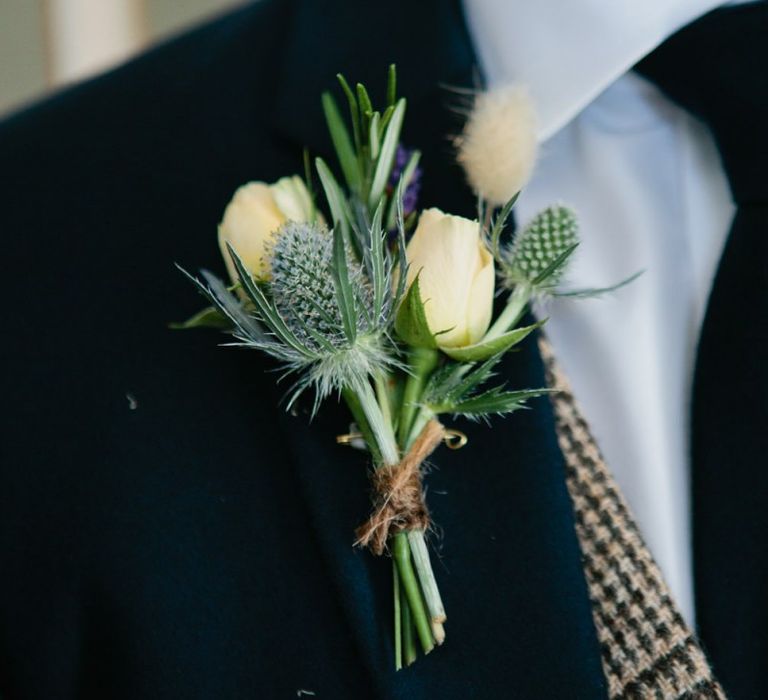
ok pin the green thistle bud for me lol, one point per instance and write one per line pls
(539, 249)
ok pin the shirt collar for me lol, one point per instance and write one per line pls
(568, 51)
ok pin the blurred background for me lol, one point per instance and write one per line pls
(45, 44)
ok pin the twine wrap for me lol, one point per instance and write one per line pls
(398, 499)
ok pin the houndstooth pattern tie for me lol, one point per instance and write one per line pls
(648, 651)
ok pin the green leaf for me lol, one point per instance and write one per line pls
(354, 113)
(463, 381)
(345, 296)
(228, 304)
(374, 135)
(385, 117)
(378, 272)
(391, 85)
(366, 107)
(341, 142)
(210, 317)
(336, 199)
(495, 401)
(488, 348)
(402, 259)
(266, 309)
(387, 155)
(411, 321)
(499, 223)
(594, 293)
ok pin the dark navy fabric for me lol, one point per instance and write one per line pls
(166, 530)
(718, 69)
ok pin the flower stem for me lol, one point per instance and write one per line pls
(382, 396)
(398, 616)
(402, 556)
(385, 438)
(358, 414)
(411, 586)
(423, 417)
(420, 552)
(429, 588)
(409, 640)
(514, 309)
(421, 362)
(380, 427)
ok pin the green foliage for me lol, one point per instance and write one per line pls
(383, 164)
(391, 85)
(377, 265)
(345, 295)
(411, 322)
(457, 389)
(342, 143)
(497, 227)
(334, 195)
(595, 292)
(228, 304)
(367, 156)
(209, 317)
(495, 401)
(488, 348)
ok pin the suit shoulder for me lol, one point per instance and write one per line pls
(157, 89)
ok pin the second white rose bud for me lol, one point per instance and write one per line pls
(456, 277)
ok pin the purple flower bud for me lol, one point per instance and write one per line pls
(411, 194)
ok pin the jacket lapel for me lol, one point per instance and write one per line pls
(505, 551)
(711, 69)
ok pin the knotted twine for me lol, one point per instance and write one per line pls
(398, 498)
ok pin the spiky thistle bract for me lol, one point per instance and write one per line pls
(324, 314)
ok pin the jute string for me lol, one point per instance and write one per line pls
(398, 499)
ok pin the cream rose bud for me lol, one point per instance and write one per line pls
(253, 215)
(456, 277)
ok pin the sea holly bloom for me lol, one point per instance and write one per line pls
(253, 215)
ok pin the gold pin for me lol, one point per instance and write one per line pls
(348, 438)
(454, 439)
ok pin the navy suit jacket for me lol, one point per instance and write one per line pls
(166, 531)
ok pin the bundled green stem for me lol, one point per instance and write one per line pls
(417, 590)
(422, 362)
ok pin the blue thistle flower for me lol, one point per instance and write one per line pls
(300, 317)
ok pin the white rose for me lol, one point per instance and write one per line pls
(253, 215)
(456, 277)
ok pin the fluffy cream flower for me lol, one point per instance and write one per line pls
(497, 148)
(255, 212)
(456, 277)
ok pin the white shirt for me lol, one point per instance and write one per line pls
(646, 182)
